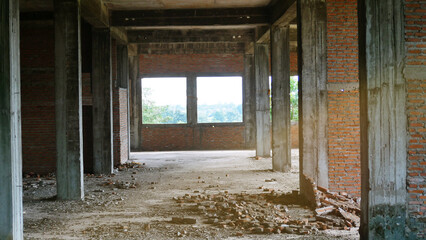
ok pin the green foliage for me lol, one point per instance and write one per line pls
(153, 114)
(220, 113)
(294, 99)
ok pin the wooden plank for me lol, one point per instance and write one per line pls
(191, 17)
(11, 213)
(281, 122)
(178, 36)
(263, 120)
(383, 120)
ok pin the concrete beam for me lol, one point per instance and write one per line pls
(120, 35)
(190, 17)
(68, 103)
(281, 122)
(95, 12)
(11, 219)
(383, 121)
(187, 35)
(263, 120)
(135, 103)
(102, 101)
(312, 49)
(249, 101)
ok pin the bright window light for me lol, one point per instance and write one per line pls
(220, 99)
(164, 100)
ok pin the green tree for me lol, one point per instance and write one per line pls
(152, 114)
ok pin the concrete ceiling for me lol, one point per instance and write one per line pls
(47, 5)
(181, 4)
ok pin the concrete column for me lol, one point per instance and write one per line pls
(281, 122)
(191, 99)
(69, 134)
(383, 120)
(11, 220)
(263, 120)
(135, 99)
(102, 102)
(249, 101)
(312, 47)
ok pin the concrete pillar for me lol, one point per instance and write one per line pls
(281, 122)
(249, 101)
(135, 100)
(383, 120)
(68, 103)
(102, 102)
(11, 220)
(312, 47)
(191, 99)
(263, 120)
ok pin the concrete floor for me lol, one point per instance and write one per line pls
(144, 212)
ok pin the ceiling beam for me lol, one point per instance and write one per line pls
(283, 12)
(191, 17)
(95, 12)
(181, 36)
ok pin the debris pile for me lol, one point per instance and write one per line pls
(331, 205)
(272, 212)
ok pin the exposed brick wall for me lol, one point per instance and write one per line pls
(343, 107)
(293, 63)
(192, 137)
(38, 98)
(415, 37)
(193, 63)
(205, 137)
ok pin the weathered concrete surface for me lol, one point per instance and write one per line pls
(11, 219)
(281, 124)
(102, 102)
(313, 91)
(191, 99)
(263, 120)
(68, 103)
(383, 120)
(135, 101)
(249, 101)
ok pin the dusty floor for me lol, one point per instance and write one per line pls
(137, 203)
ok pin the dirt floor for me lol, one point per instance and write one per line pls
(149, 199)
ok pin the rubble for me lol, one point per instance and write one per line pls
(268, 212)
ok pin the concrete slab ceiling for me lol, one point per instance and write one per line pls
(181, 4)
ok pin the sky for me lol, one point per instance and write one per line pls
(210, 90)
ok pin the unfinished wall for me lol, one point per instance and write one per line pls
(415, 74)
(200, 136)
(119, 105)
(343, 97)
(38, 97)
